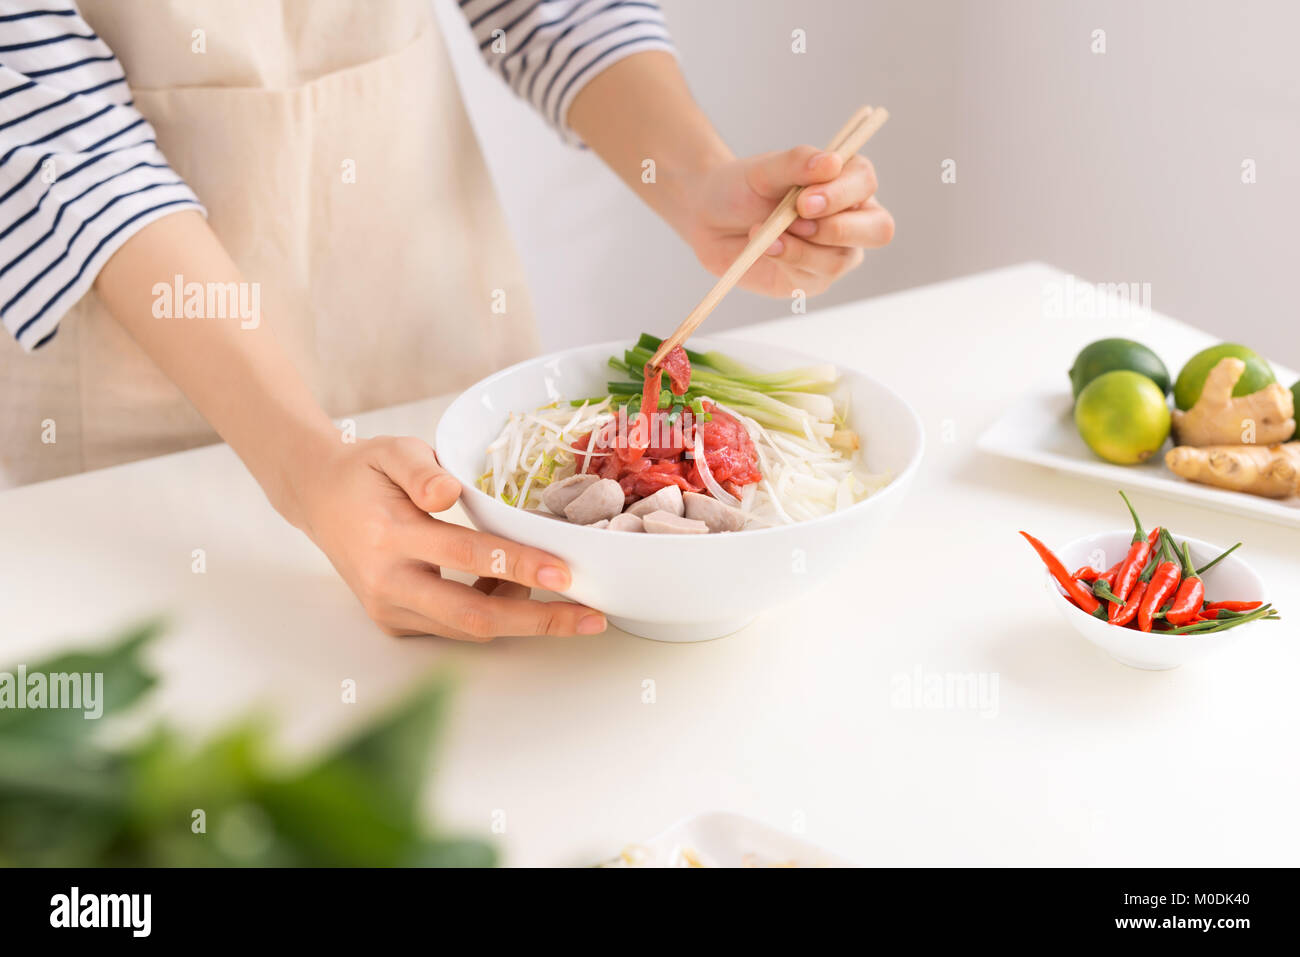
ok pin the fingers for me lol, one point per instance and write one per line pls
(502, 589)
(810, 257)
(413, 465)
(770, 175)
(870, 227)
(488, 556)
(856, 184)
(430, 604)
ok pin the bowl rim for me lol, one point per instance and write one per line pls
(1129, 634)
(897, 483)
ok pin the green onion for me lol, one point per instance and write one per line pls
(808, 379)
(793, 401)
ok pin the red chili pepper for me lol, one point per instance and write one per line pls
(1184, 611)
(1233, 605)
(1191, 594)
(1144, 576)
(1225, 614)
(1164, 578)
(1163, 584)
(1109, 575)
(1081, 596)
(1123, 614)
(1131, 567)
(1136, 558)
(1086, 574)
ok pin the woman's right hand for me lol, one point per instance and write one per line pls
(366, 506)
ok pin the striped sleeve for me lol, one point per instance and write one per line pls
(80, 171)
(548, 50)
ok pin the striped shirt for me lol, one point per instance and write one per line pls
(80, 171)
(548, 51)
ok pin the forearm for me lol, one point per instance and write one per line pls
(240, 379)
(641, 109)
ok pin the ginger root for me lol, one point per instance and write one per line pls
(1218, 418)
(1271, 471)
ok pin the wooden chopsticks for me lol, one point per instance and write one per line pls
(850, 138)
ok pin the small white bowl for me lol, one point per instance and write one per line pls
(680, 587)
(1230, 580)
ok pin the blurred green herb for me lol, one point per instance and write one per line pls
(68, 799)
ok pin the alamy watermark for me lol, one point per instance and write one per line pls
(923, 690)
(179, 299)
(75, 691)
(1070, 298)
(75, 909)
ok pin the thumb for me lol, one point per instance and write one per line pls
(771, 174)
(413, 465)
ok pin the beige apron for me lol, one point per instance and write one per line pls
(329, 144)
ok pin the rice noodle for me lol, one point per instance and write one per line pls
(747, 494)
(803, 475)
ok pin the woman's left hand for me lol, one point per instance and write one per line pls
(839, 217)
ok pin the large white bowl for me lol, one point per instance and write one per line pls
(1231, 579)
(668, 587)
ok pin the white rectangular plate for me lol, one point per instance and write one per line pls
(1040, 429)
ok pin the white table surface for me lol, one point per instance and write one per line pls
(795, 720)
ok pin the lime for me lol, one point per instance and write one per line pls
(1123, 416)
(1107, 355)
(1192, 379)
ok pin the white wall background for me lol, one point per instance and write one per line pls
(1121, 167)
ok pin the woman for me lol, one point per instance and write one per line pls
(353, 255)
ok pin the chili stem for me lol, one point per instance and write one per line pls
(1138, 535)
(1217, 626)
(1168, 547)
(1102, 590)
(1204, 568)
